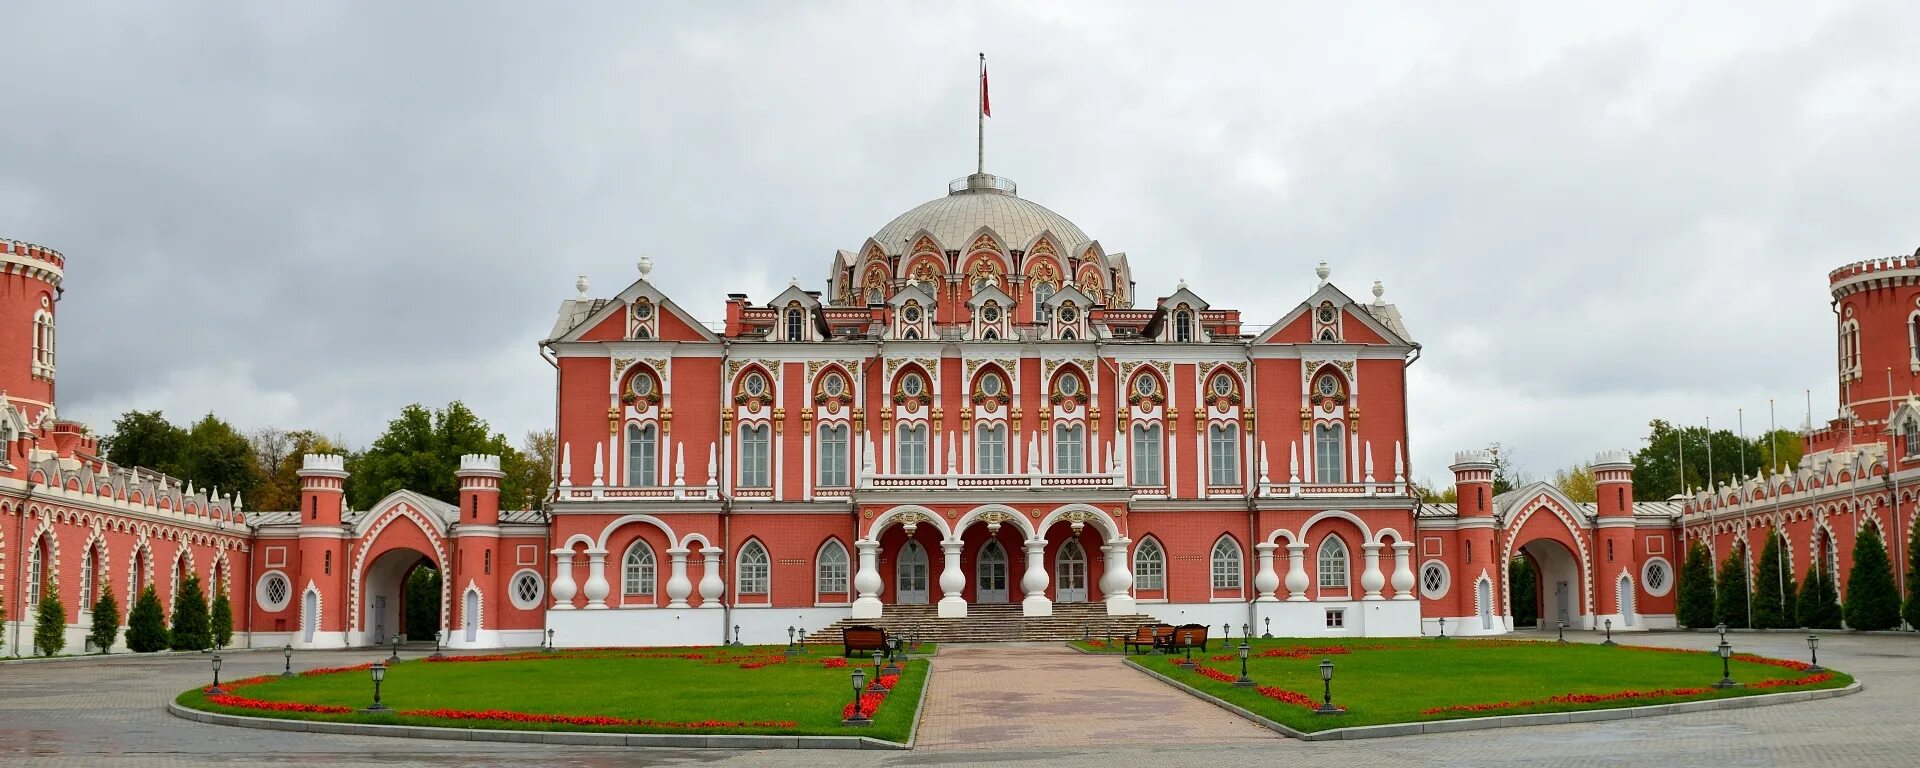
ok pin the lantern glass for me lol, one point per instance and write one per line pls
(1726, 651)
(379, 672)
(1243, 651)
(859, 678)
(287, 651)
(1326, 670)
(216, 662)
(1813, 641)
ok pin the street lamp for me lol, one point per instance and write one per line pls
(1813, 646)
(1563, 633)
(1086, 631)
(1726, 661)
(288, 652)
(803, 641)
(1326, 691)
(216, 689)
(859, 685)
(893, 655)
(736, 636)
(379, 671)
(1226, 635)
(549, 640)
(790, 649)
(396, 649)
(1244, 681)
(875, 686)
(1443, 627)
(1609, 633)
(1269, 632)
(436, 646)
(1187, 645)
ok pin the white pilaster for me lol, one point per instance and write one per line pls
(953, 582)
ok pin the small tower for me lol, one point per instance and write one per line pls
(323, 547)
(1617, 571)
(479, 579)
(1613, 483)
(1473, 557)
(30, 277)
(479, 489)
(1877, 315)
(1473, 480)
(323, 479)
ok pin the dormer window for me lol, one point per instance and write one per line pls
(1326, 313)
(1183, 326)
(1041, 312)
(796, 322)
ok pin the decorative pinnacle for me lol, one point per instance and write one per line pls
(1379, 291)
(646, 267)
(793, 282)
(1322, 271)
(1182, 286)
(581, 286)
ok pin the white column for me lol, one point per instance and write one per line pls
(1033, 583)
(1297, 572)
(712, 587)
(1116, 580)
(867, 581)
(1266, 581)
(563, 586)
(953, 582)
(678, 587)
(596, 588)
(1403, 570)
(1371, 579)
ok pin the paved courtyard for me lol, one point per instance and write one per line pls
(999, 706)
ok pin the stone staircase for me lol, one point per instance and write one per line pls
(991, 624)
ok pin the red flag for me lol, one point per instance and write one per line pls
(986, 107)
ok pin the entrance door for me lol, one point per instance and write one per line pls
(911, 577)
(992, 573)
(471, 615)
(1070, 572)
(379, 620)
(1560, 593)
(1485, 593)
(310, 615)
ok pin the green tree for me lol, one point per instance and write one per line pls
(1872, 602)
(1819, 605)
(1770, 586)
(423, 603)
(216, 456)
(1431, 494)
(533, 467)
(1507, 473)
(1696, 588)
(1912, 608)
(1523, 589)
(106, 620)
(145, 439)
(1730, 599)
(146, 625)
(222, 619)
(192, 628)
(1657, 467)
(279, 453)
(1577, 483)
(50, 624)
(421, 450)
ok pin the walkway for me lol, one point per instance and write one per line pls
(1039, 696)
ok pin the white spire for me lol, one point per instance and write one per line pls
(566, 463)
(1293, 461)
(599, 466)
(680, 464)
(713, 465)
(1263, 463)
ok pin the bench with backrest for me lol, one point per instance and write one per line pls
(1145, 637)
(863, 639)
(1187, 636)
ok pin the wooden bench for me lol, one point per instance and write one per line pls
(1187, 636)
(863, 640)
(1145, 637)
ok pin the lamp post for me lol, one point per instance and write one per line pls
(791, 651)
(803, 641)
(1443, 627)
(216, 689)
(288, 652)
(1269, 632)
(859, 684)
(893, 655)
(1326, 691)
(1086, 631)
(379, 671)
(1246, 631)
(1563, 633)
(1244, 681)
(436, 646)
(549, 640)
(1813, 646)
(1726, 661)
(396, 649)
(736, 636)
(1609, 640)
(875, 686)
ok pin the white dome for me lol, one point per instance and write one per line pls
(980, 200)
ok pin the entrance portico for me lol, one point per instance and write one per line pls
(978, 564)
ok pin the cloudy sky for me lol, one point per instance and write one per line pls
(309, 215)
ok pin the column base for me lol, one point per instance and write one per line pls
(1036, 606)
(678, 604)
(1121, 606)
(865, 608)
(596, 606)
(953, 608)
(1269, 598)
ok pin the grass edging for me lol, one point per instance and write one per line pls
(1507, 721)
(569, 738)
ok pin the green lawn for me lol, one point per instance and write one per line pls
(1383, 681)
(682, 690)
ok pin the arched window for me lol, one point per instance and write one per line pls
(1069, 449)
(1911, 437)
(1223, 455)
(913, 449)
(796, 323)
(830, 576)
(1183, 326)
(86, 578)
(1226, 564)
(1146, 456)
(754, 572)
(755, 456)
(43, 344)
(990, 449)
(1041, 312)
(37, 571)
(1329, 453)
(139, 575)
(643, 455)
(1333, 563)
(1149, 566)
(876, 296)
(639, 571)
(833, 456)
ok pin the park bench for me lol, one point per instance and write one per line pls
(1145, 637)
(1186, 636)
(863, 639)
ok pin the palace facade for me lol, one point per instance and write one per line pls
(975, 410)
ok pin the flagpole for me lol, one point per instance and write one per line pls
(1779, 526)
(1746, 542)
(980, 116)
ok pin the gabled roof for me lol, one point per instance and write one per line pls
(988, 292)
(1368, 317)
(1069, 292)
(603, 309)
(912, 290)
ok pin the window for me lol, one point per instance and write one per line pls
(639, 571)
(1145, 386)
(43, 342)
(834, 385)
(643, 447)
(990, 449)
(833, 456)
(1149, 566)
(1041, 312)
(1656, 576)
(1336, 618)
(911, 312)
(1183, 326)
(1329, 454)
(1327, 386)
(1223, 455)
(754, 571)
(755, 385)
(913, 449)
(1333, 563)
(1226, 564)
(912, 385)
(831, 576)
(1222, 386)
(1146, 455)
(86, 579)
(991, 386)
(526, 591)
(755, 452)
(139, 580)
(642, 385)
(1911, 437)
(274, 591)
(1068, 313)
(876, 296)
(796, 319)
(486, 562)
(1433, 580)
(1069, 386)
(1069, 449)
(36, 574)
(991, 312)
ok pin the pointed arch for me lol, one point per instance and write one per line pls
(832, 573)
(753, 573)
(1149, 565)
(1226, 567)
(639, 574)
(1333, 565)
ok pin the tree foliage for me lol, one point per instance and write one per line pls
(1819, 604)
(423, 603)
(1523, 588)
(1771, 587)
(1912, 608)
(1507, 473)
(420, 451)
(221, 620)
(1872, 599)
(106, 620)
(146, 624)
(145, 439)
(1695, 608)
(1577, 483)
(217, 456)
(534, 466)
(192, 628)
(1656, 467)
(279, 454)
(1730, 599)
(50, 622)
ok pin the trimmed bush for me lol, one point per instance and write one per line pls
(1730, 599)
(50, 623)
(1696, 589)
(1913, 581)
(1770, 585)
(106, 620)
(1872, 602)
(1791, 599)
(1526, 604)
(192, 628)
(222, 620)
(1819, 605)
(146, 627)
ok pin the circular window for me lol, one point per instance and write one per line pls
(1144, 385)
(1328, 387)
(990, 386)
(1326, 313)
(526, 590)
(1069, 385)
(1657, 577)
(912, 385)
(643, 310)
(643, 385)
(1222, 386)
(756, 385)
(1433, 580)
(912, 313)
(274, 591)
(834, 386)
(1067, 314)
(990, 313)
